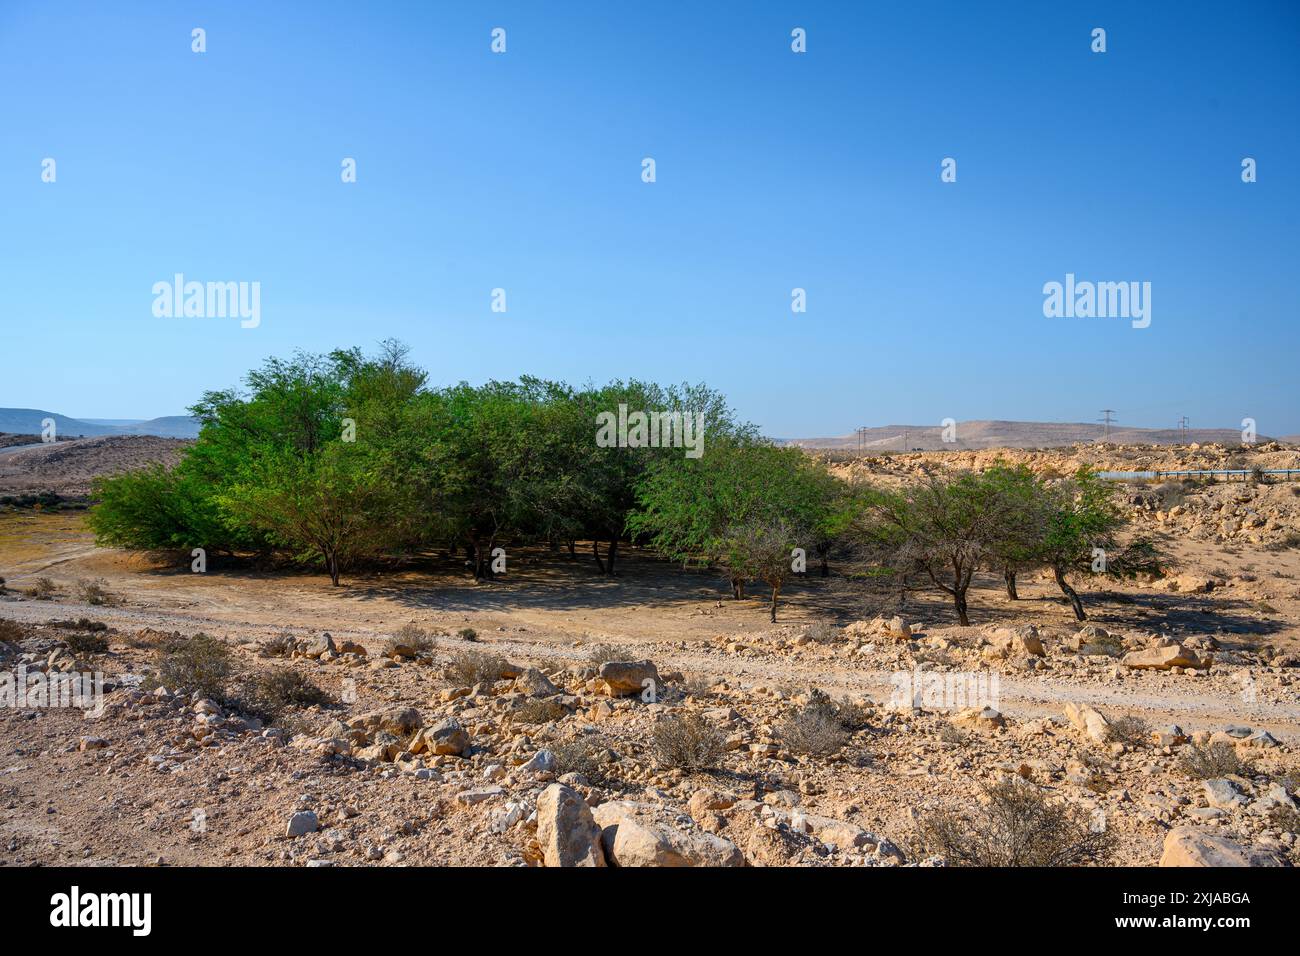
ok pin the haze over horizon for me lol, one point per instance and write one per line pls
(774, 171)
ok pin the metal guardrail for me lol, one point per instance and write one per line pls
(1230, 473)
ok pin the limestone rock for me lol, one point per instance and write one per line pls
(642, 834)
(623, 678)
(1189, 846)
(566, 831)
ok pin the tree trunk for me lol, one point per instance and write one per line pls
(332, 566)
(776, 590)
(613, 555)
(573, 548)
(1069, 592)
(1009, 575)
(826, 568)
(959, 600)
(595, 549)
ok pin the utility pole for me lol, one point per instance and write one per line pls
(1184, 426)
(1107, 419)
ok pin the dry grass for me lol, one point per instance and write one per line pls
(1014, 825)
(688, 742)
(469, 667)
(1218, 759)
(199, 663)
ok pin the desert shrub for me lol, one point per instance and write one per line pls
(949, 734)
(467, 634)
(824, 632)
(688, 742)
(83, 645)
(1287, 542)
(282, 645)
(1014, 825)
(588, 755)
(43, 589)
(200, 663)
(11, 632)
(269, 695)
(468, 668)
(1286, 819)
(1130, 729)
(815, 729)
(411, 637)
(1107, 645)
(696, 685)
(599, 654)
(1218, 759)
(539, 710)
(95, 592)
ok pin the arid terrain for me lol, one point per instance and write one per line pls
(454, 708)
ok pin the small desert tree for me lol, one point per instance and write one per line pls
(1026, 508)
(945, 527)
(1082, 536)
(759, 549)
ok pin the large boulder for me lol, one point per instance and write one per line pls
(397, 720)
(624, 678)
(1089, 721)
(566, 831)
(535, 684)
(1015, 641)
(447, 737)
(1162, 658)
(643, 834)
(1188, 846)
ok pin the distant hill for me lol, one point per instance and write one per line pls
(27, 421)
(1001, 434)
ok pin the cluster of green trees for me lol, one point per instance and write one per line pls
(345, 458)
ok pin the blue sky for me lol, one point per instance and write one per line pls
(774, 170)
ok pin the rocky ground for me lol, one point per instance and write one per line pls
(509, 724)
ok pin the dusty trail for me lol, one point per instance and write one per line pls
(1194, 708)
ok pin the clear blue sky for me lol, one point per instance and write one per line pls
(775, 170)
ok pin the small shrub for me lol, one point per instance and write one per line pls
(588, 755)
(95, 592)
(467, 634)
(199, 663)
(282, 645)
(1286, 819)
(43, 589)
(815, 730)
(539, 710)
(468, 668)
(271, 694)
(1218, 759)
(85, 645)
(411, 637)
(949, 734)
(1014, 825)
(824, 632)
(1131, 730)
(1287, 542)
(688, 742)
(599, 654)
(695, 685)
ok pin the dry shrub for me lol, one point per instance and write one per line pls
(539, 710)
(269, 695)
(589, 755)
(85, 645)
(43, 589)
(599, 654)
(95, 592)
(816, 729)
(1131, 730)
(688, 742)
(696, 685)
(200, 663)
(824, 632)
(1218, 759)
(11, 632)
(411, 637)
(467, 668)
(1014, 825)
(282, 645)
(1286, 819)
(467, 634)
